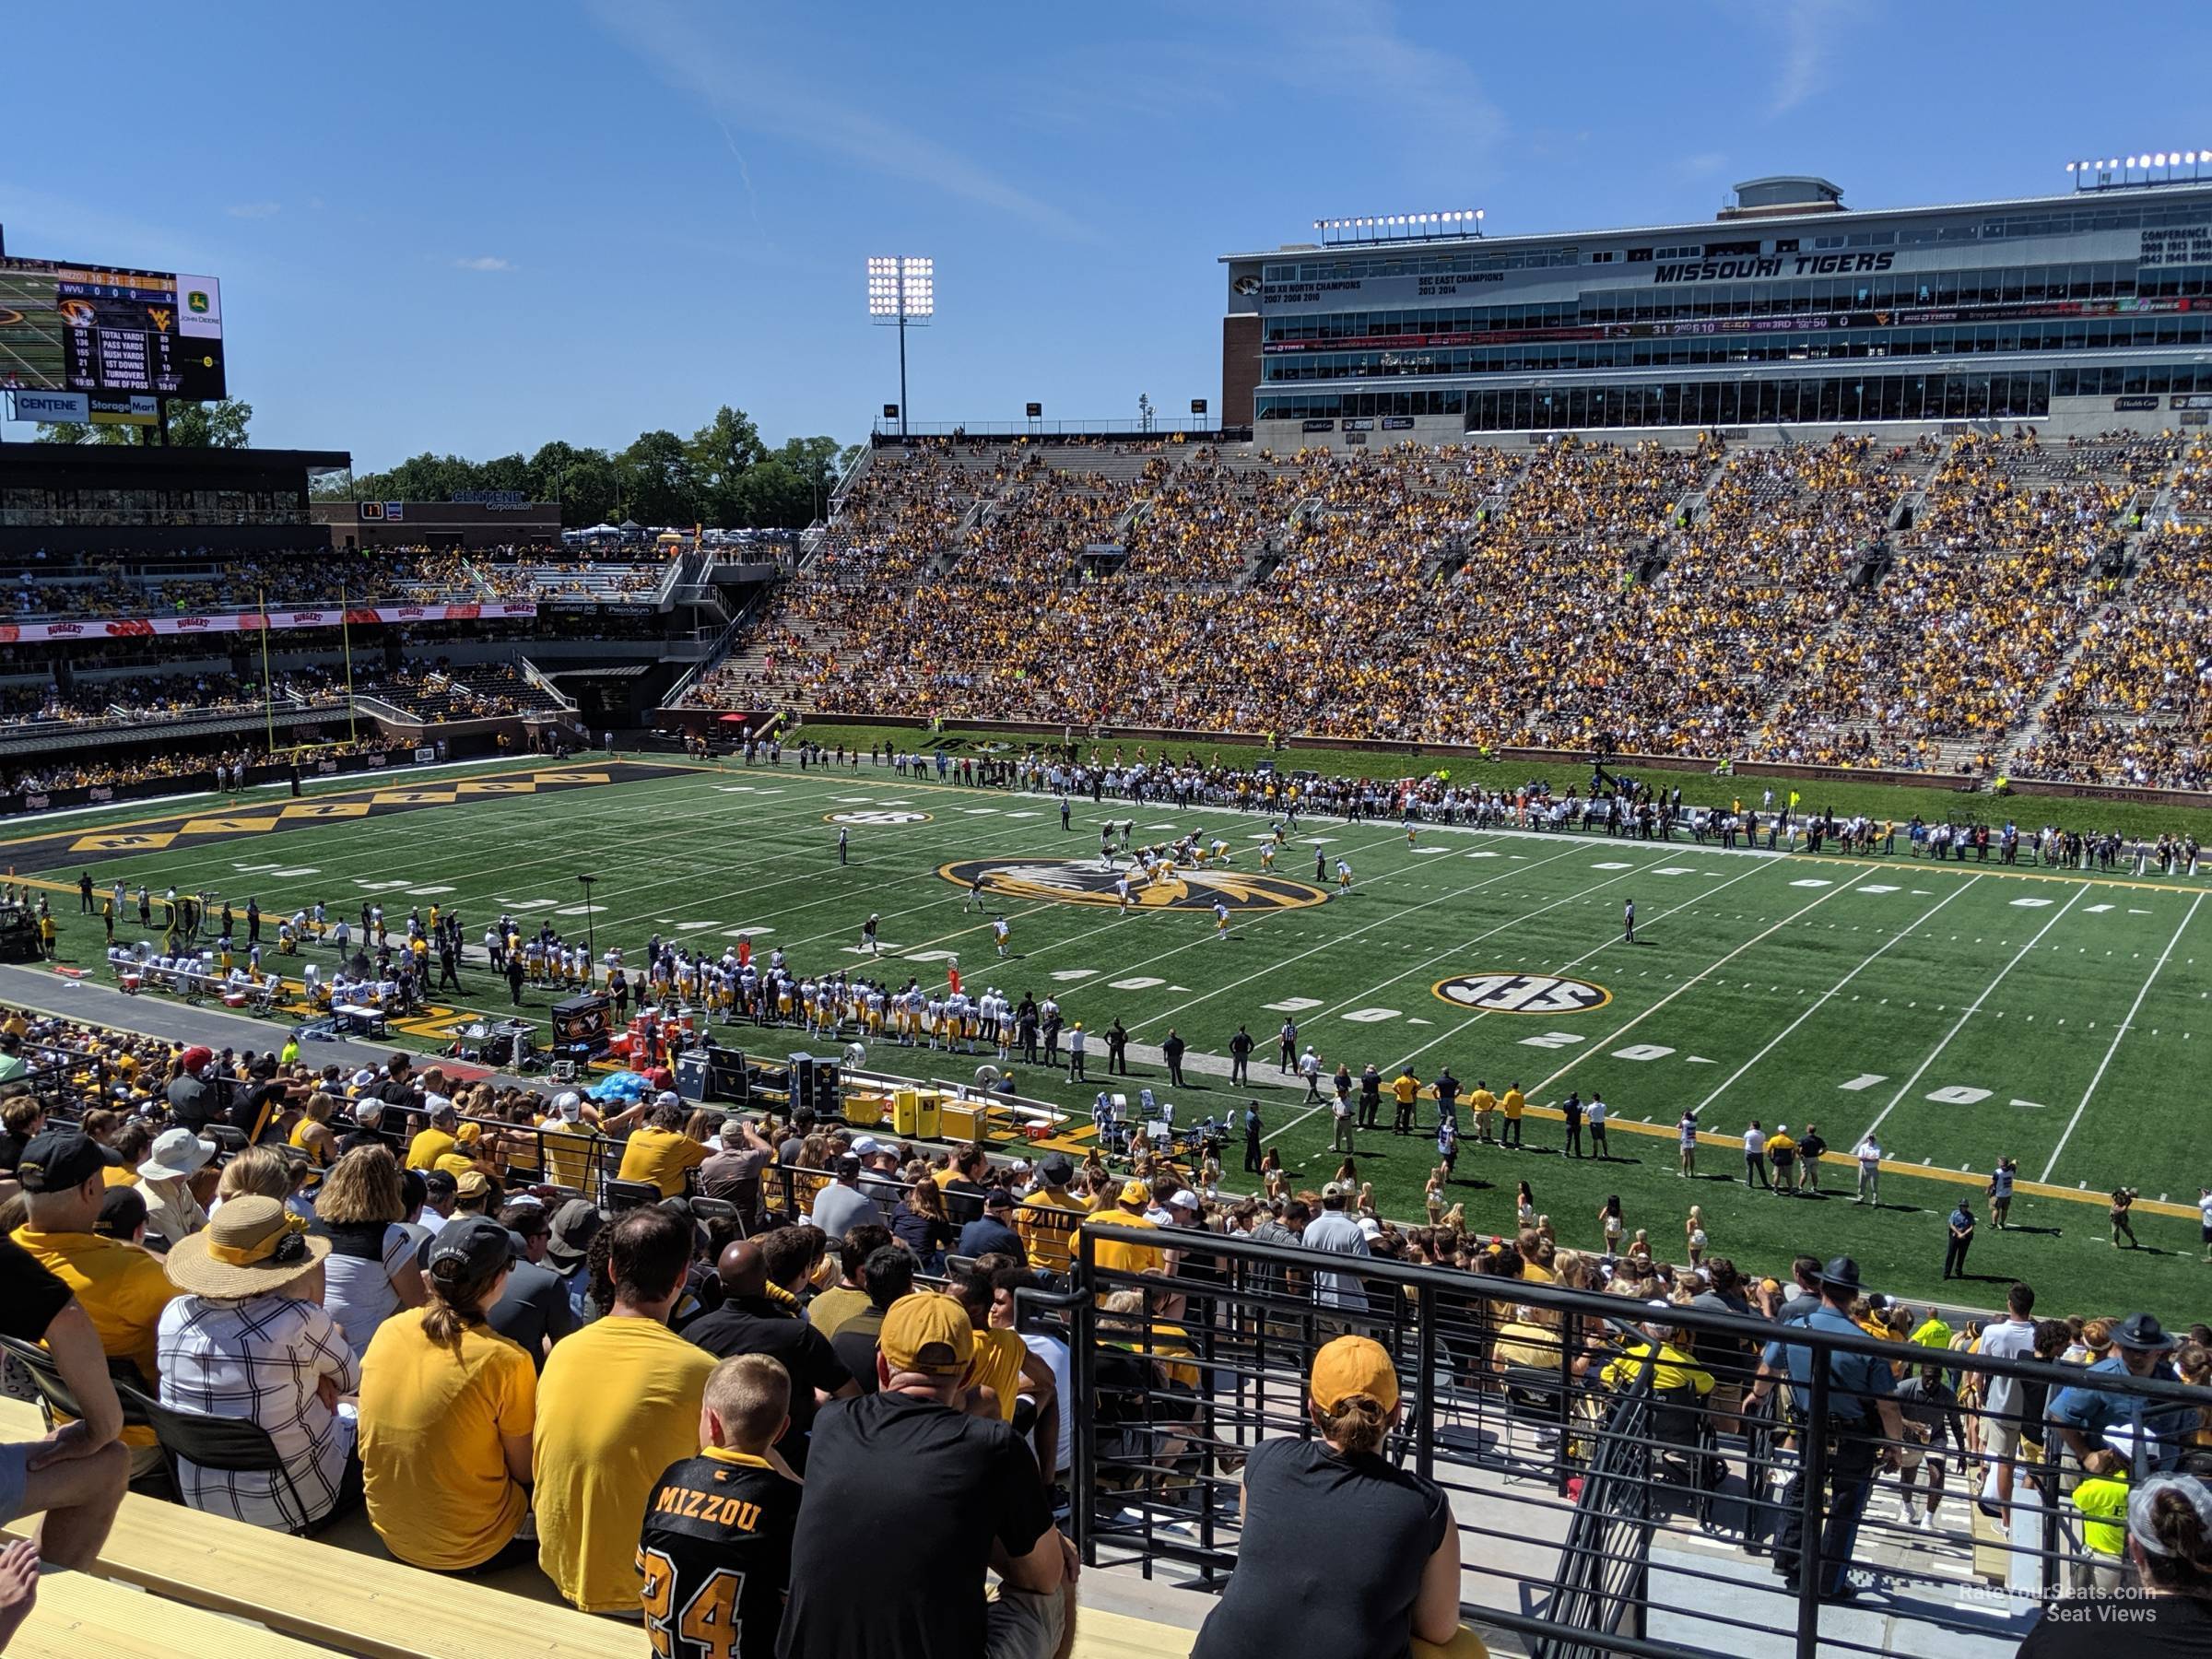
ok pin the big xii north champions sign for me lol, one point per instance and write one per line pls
(1070, 881)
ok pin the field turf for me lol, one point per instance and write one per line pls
(1967, 1010)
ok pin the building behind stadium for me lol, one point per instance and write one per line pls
(1787, 316)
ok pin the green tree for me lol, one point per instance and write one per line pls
(662, 484)
(590, 489)
(220, 425)
(721, 453)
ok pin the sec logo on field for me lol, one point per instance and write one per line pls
(875, 816)
(1522, 993)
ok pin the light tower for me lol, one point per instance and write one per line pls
(903, 288)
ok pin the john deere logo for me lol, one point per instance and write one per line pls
(877, 815)
(196, 301)
(1069, 881)
(1523, 993)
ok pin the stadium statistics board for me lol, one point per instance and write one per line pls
(67, 327)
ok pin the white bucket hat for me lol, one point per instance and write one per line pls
(175, 1154)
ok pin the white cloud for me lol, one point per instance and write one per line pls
(251, 210)
(1703, 164)
(778, 100)
(1806, 28)
(1436, 101)
(484, 262)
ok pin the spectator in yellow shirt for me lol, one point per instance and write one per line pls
(620, 1402)
(120, 1286)
(439, 1140)
(447, 1407)
(1114, 1256)
(662, 1154)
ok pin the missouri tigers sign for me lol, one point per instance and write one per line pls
(1084, 881)
(1522, 993)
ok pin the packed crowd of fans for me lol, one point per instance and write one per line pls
(221, 582)
(1840, 604)
(524, 1327)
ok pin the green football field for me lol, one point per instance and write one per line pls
(1964, 1011)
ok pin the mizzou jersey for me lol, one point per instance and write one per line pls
(715, 1554)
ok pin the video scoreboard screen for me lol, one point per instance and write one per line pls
(92, 328)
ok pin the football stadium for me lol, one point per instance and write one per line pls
(1543, 974)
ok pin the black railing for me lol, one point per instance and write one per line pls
(1623, 1474)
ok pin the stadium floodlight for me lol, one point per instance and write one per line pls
(903, 288)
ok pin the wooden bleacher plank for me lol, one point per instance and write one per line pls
(1102, 1635)
(78, 1615)
(320, 1593)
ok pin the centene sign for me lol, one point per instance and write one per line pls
(59, 408)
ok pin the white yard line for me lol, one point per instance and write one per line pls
(1467, 1024)
(1822, 1000)
(1920, 1070)
(1458, 947)
(2125, 1026)
(1278, 966)
(1630, 1025)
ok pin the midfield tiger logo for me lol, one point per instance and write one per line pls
(1074, 881)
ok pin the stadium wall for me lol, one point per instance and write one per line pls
(1958, 781)
(2069, 418)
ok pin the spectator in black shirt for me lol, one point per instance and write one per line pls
(368, 1117)
(758, 1316)
(76, 1474)
(964, 1192)
(992, 1232)
(889, 1274)
(1385, 1537)
(941, 1497)
(20, 1120)
(2168, 1614)
(533, 1311)
(720, 1524)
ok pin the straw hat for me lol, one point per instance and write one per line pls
(252, 1245)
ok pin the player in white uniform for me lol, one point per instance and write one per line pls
(1000, 932)
(1220, 920)
(1344, 875)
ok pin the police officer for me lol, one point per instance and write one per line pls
(1862, 1415)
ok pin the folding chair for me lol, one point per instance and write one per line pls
(230, 1444)
(615, 1196)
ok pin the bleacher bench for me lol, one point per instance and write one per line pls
(319, 1593)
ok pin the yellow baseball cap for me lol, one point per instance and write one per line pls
(1136, 1192)
(1353, 1365)
(927, 1333)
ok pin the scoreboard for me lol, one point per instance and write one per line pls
(96, 328)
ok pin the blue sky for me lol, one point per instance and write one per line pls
(476, 227)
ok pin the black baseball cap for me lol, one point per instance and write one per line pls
(478, 1243)
(58, 1160)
